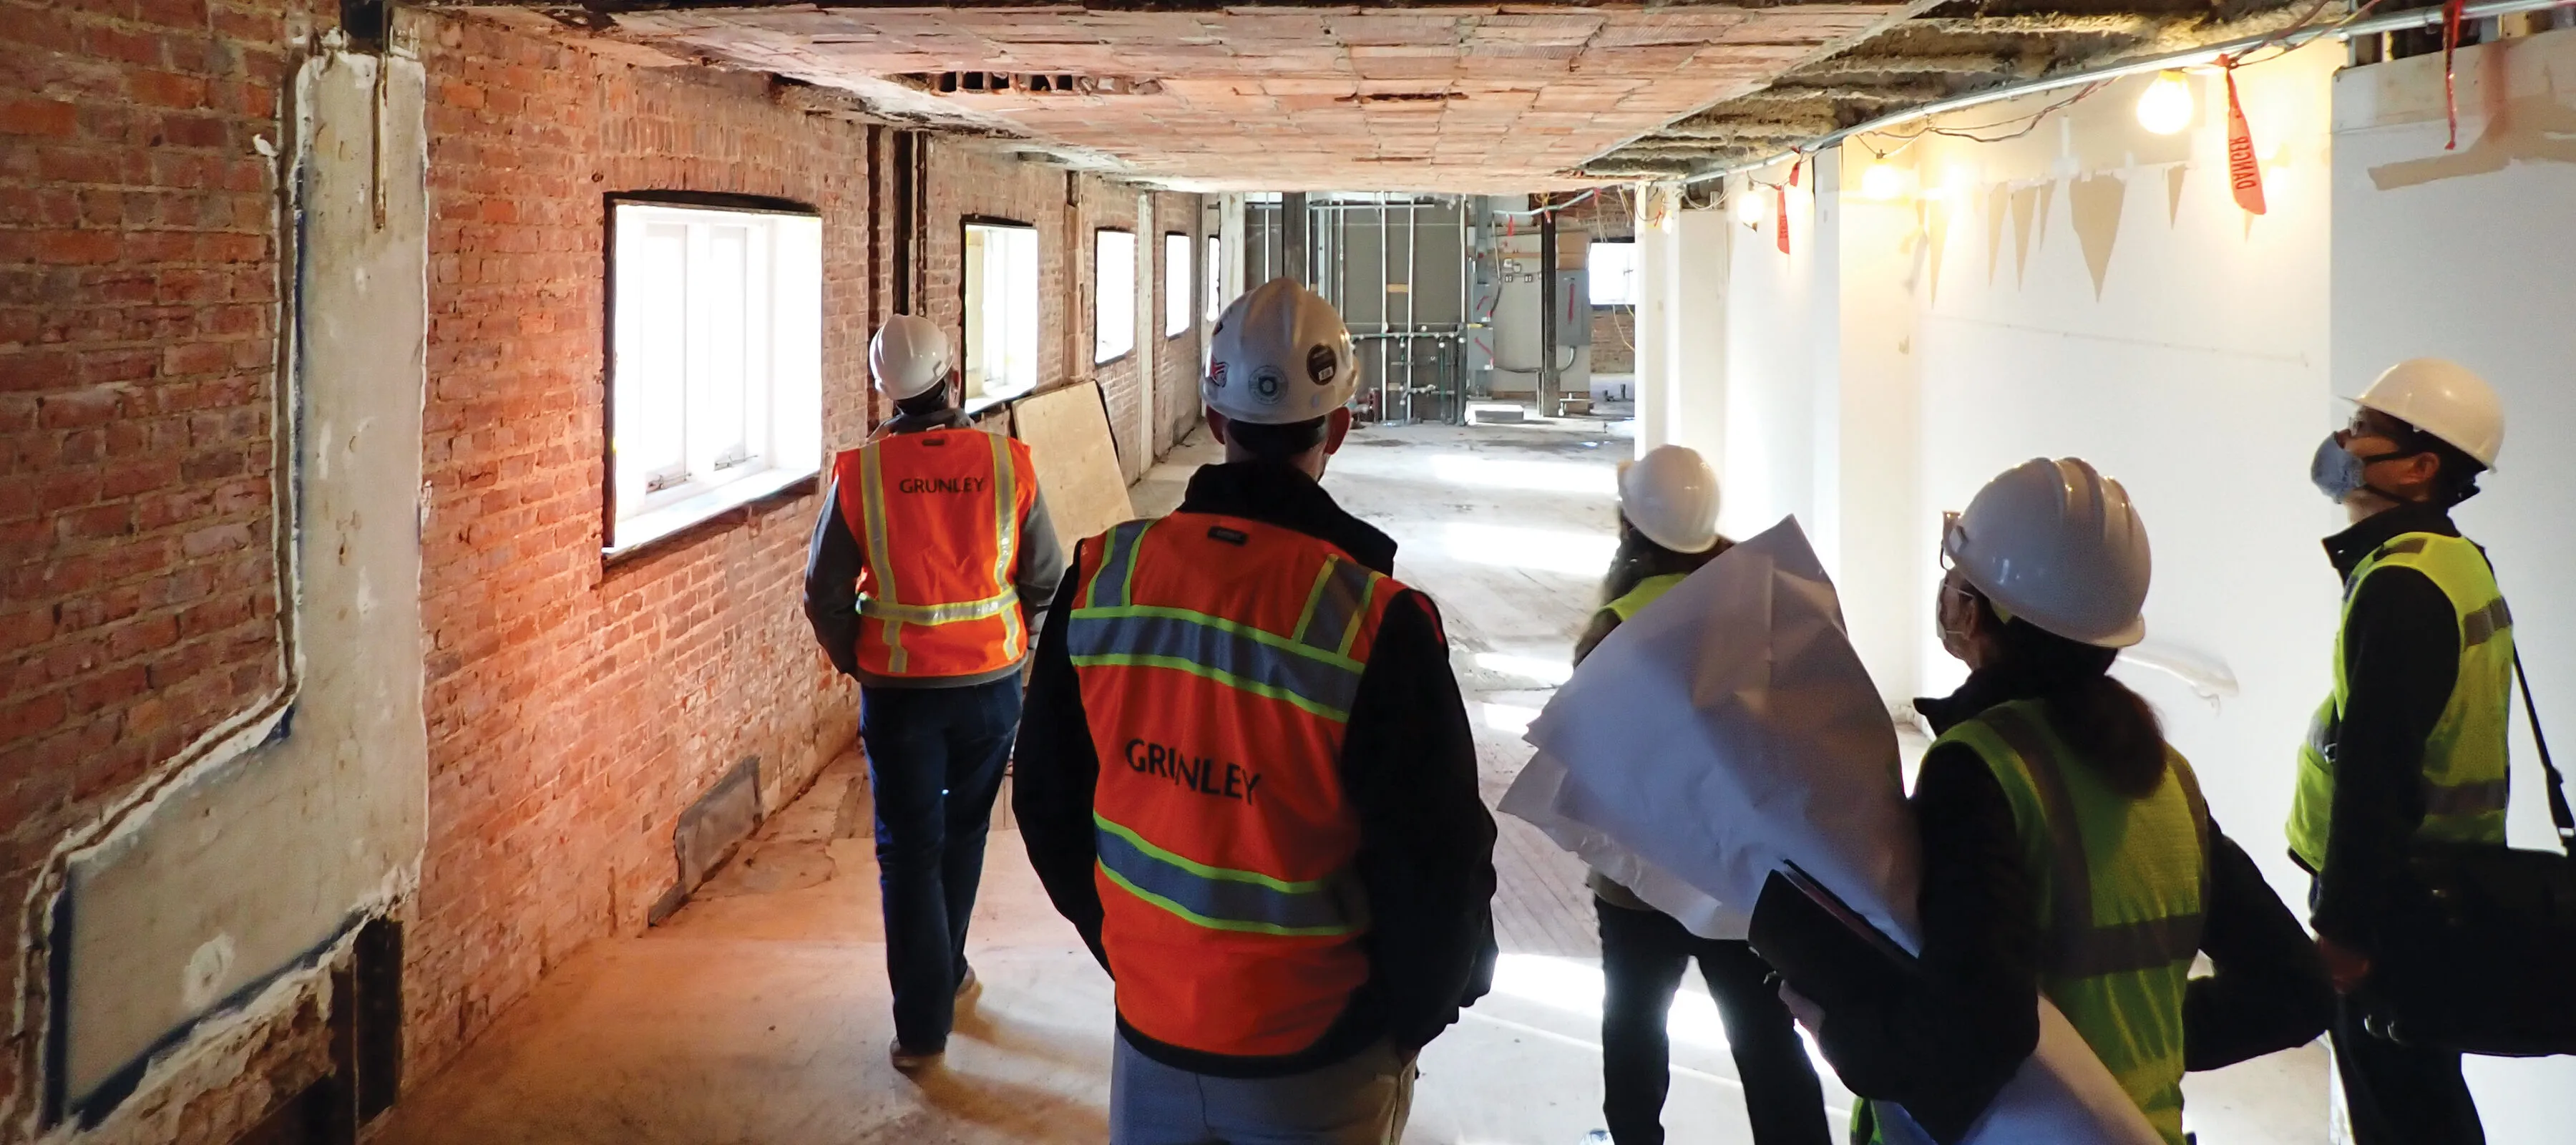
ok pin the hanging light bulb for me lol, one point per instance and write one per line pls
(1750, 206)
(1881, 180)
(2165, 107)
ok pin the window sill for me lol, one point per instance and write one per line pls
(1177, 335)
(980, 404)
(645, 531)
(1101, 363)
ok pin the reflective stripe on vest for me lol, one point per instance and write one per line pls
(1218, 660)
(1220, 898)
(2466, 780)
(2122, 885)
(1648, 591)
(914, 625)
(1311, 668)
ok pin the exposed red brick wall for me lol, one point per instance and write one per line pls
(969, 181)
(574, 709)
(1109, 206)
(138, 323)
(1176, 368)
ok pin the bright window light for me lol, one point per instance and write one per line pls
(715, 364)
(1613, 264)
(1001, 310)
(1177, 262)
(1113, 310)
(1215, 278)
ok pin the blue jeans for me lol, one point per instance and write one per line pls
(935, 759)
(1364, 1100)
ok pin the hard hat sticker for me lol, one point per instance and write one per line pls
(1216, 375)
(1322, 364)
(1266, 384)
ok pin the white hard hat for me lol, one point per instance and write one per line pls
(1670, 495)
(908, 356)
(2057, 544)
(2445, 399)
(1280, 355)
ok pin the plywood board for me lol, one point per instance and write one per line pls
(1067, 431)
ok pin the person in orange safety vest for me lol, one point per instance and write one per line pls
(1247, 777)
(933, 555)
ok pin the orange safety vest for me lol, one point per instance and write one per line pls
(939, 514)
(1218, 660)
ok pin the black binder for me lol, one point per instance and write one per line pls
(1832, 954)
(1821, 946)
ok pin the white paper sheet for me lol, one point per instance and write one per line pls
(1728, 728)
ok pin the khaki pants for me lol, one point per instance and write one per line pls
(1361, 1101)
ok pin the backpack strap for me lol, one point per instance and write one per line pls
(2558, 812)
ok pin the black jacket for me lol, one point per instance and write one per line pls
(834, 558)
(1943, 1048)
(1408, 767)
(2401, 658)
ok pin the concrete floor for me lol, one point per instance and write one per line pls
(758, 1013)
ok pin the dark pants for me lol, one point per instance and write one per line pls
(2401, 1095)
(1643, 955)
(935, 759)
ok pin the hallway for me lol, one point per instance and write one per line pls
(414, 416)
(758, 1012)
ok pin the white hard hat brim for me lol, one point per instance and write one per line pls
(2495, 466)
(2128, 636)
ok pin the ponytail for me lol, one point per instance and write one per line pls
(2108, 725)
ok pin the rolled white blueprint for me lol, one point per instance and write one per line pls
(1729, 728)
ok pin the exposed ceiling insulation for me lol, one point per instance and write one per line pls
(1409, 95)
(1269, 96)
(1954, 48)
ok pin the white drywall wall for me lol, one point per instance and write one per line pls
(1769, 394)
(2092, 289)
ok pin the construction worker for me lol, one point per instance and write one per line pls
(2066, 849)
(1248, 780)
(2411, 743)
(1667, 529)
(931, 562)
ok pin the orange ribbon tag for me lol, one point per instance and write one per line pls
(2244, 175)
(1781, 198)
(2450, 92)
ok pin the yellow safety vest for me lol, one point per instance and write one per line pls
(1645, 593)
(2118, 886)
(2465, 777)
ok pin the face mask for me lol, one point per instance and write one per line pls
(1953, 640)
(2338, 474)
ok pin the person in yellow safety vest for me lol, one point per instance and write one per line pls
(1667, 529)
(931, 561)
(2411, 742)
(2066, 849)
(1248, 780)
